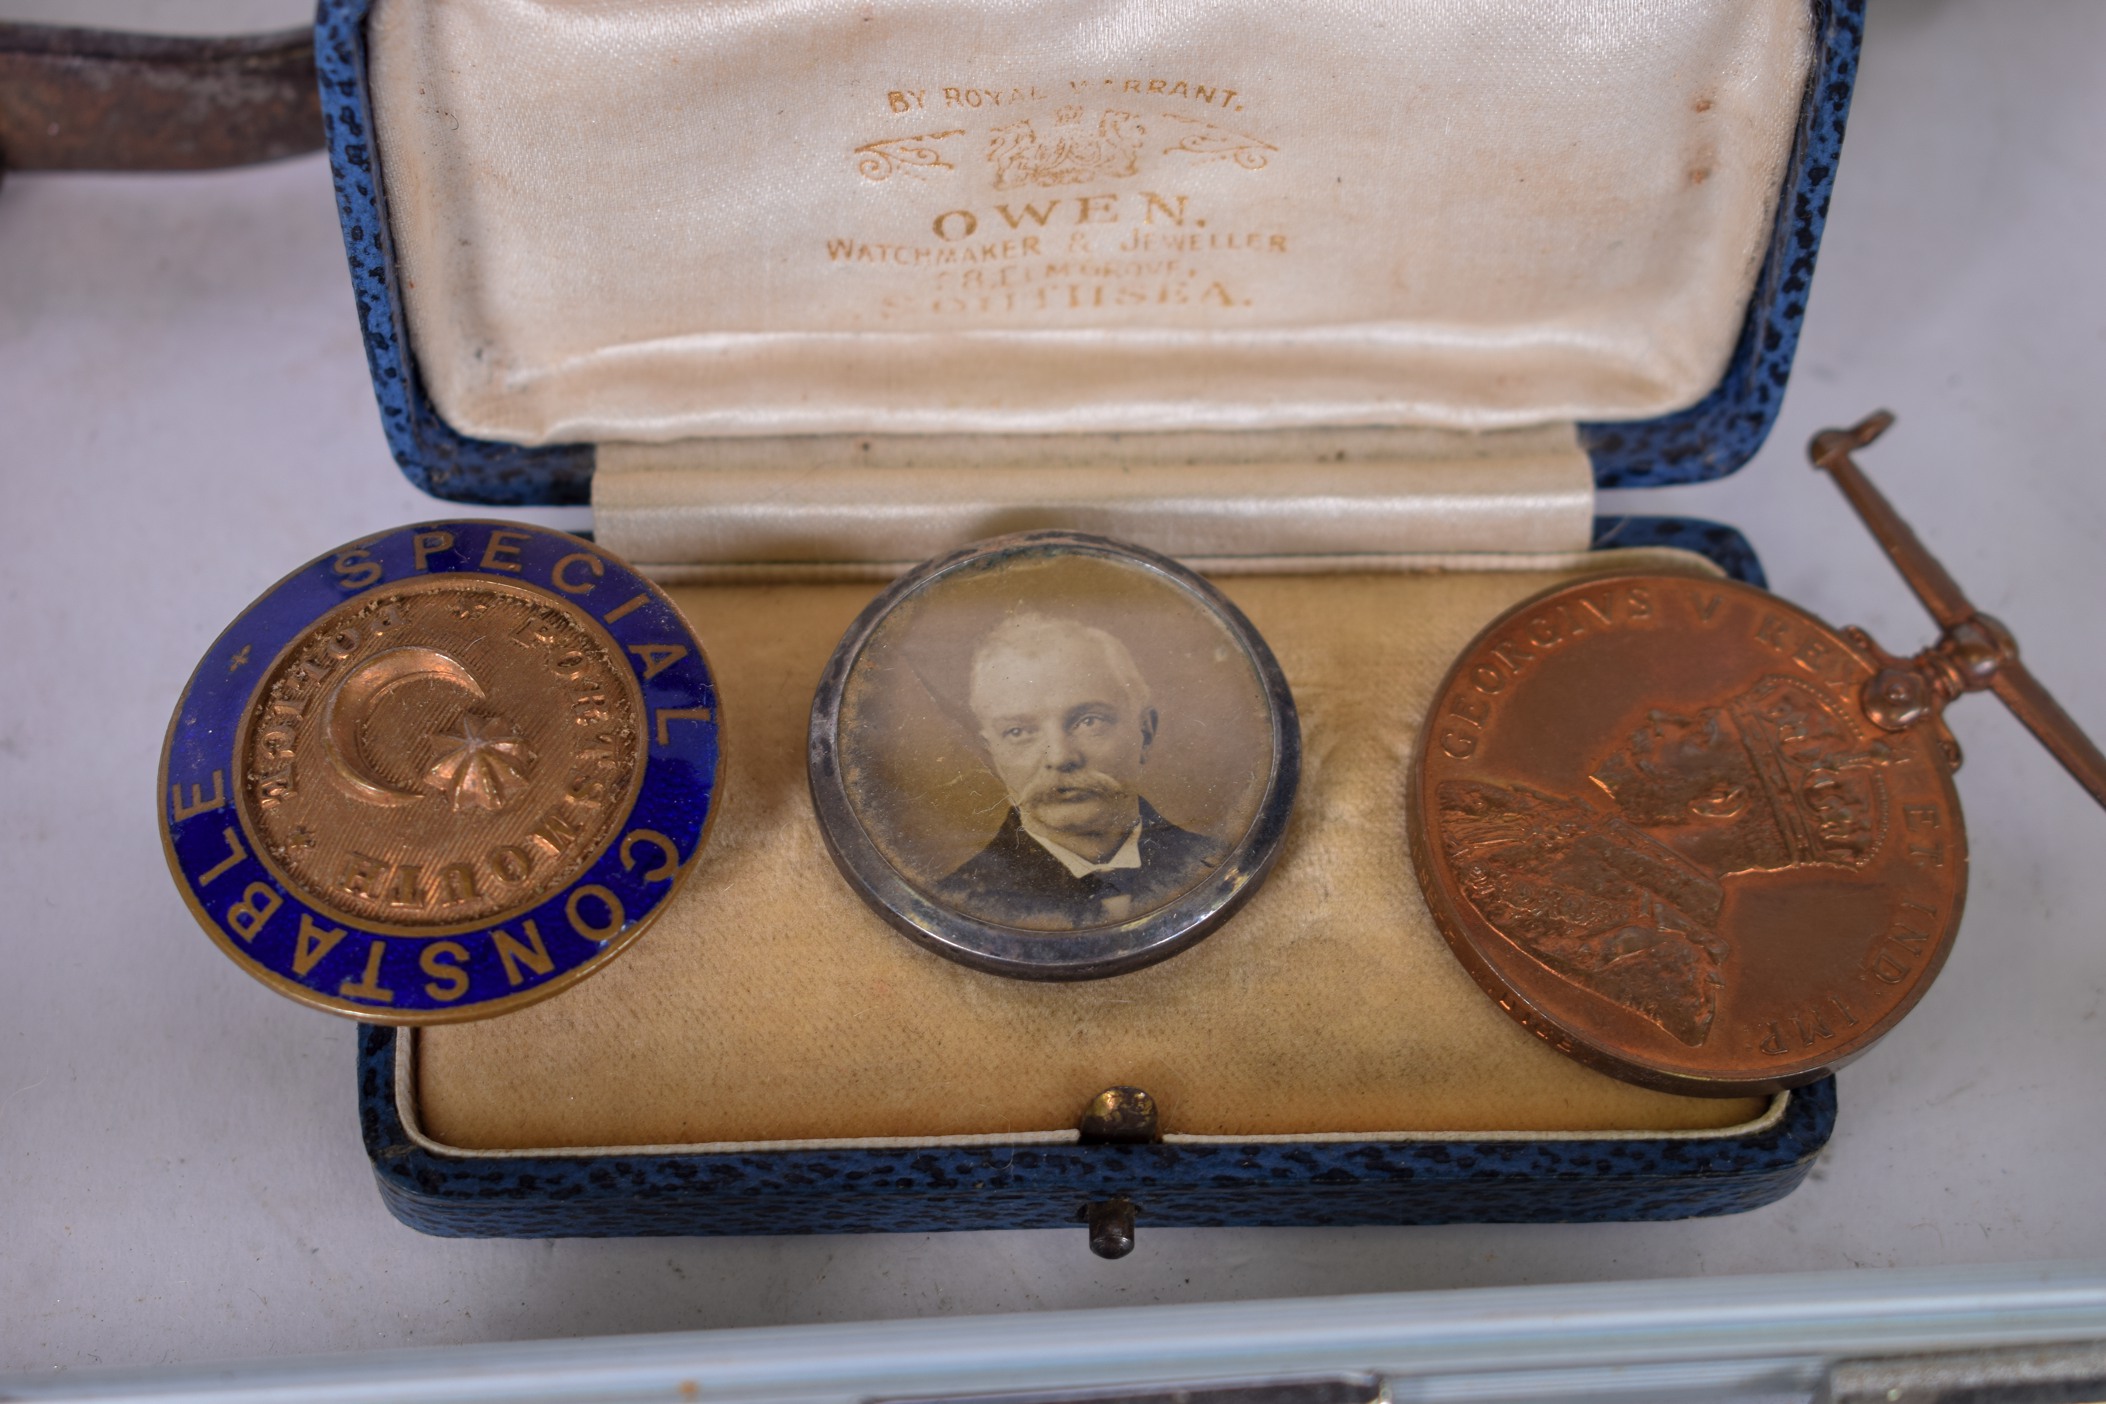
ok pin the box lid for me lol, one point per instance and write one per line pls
(1625, 77)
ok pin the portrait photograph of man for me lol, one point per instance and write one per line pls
(1056, 746)
(1067, 721)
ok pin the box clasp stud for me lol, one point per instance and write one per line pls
(1111, 1226)
(1117, 1116)
(1120, 1116)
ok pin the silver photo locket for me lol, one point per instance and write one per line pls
(1053, 756)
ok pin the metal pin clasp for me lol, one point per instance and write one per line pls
(1974, 653)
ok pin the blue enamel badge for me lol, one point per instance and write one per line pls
(441, 772)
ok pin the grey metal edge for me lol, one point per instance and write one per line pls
(1769, 1337)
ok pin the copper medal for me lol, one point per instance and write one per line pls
(1656, 827)
(1695, 837)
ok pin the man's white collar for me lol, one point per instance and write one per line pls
(1128, 856)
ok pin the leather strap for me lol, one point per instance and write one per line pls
(97, 100)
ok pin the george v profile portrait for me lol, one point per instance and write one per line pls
(1067, 721)
(1621, 887)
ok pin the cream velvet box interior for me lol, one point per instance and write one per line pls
(1312, 296)
(769, 1005)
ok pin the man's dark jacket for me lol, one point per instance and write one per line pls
(1016, 882)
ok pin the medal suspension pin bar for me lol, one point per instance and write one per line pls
(1974, 653)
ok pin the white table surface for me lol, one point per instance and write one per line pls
(185, 415)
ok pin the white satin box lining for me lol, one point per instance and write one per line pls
(638, 222)
(873, 505)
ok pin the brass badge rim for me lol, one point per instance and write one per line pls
(678, 766)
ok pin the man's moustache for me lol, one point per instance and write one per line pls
(1090, 781)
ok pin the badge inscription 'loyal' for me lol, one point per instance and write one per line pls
(441, 772)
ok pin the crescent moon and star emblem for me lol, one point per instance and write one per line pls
(484, 762)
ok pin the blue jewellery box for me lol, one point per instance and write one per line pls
(1354, 316)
